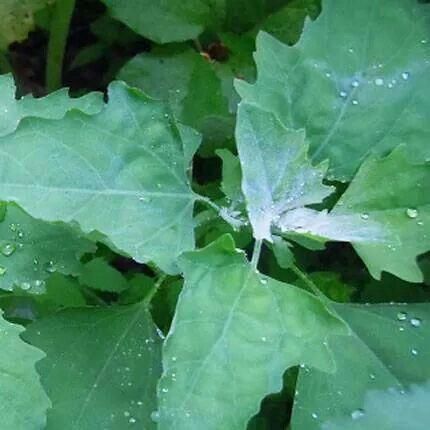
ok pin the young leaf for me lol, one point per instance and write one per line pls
(122, 172)
(17, 19)
(228, 320)
(31, 250)
(23, 401)
(353, 81)
(401, 203)
(53, 106)
(277, 176)
(108, 362)
(388, 347)
(389, 410)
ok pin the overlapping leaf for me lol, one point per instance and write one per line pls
(53, 106)
(231, 319)
(122, 172)
(401, 203)
(101, 368)
(388, 348)
(31, 250)
(23, 401)
(357, 82)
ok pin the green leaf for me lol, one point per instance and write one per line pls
(189, 82)
(17, 19)
(24, 403)
(231, 175)
(170, 21)
(228, 320)
(388, 347)
(353, 81)
(389, 410)
(401, 203)
(122, 172)
(30, 250)
(108, 362)
(286, 24)
(53, 106)
(99, 275)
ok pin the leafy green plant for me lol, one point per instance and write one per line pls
(218, 243)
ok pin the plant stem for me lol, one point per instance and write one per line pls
(5, 66)
(256, 253)
(309, 283)
(59, 31)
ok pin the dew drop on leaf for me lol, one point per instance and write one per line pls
(8, 249)
(3, 270)
(50, 267)
(355, 83)
(314, 415)
(405, 76)
(358, 413)
(25, 286)
(402, 316)
(415, 322)
(155, 416)
(414, 351)
(364, 216)
(379, 82)
(355, 102)
(411, 213)
(343, 94)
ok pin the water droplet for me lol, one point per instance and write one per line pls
(165, 390)
(402, 316)
(314, 415)
(401, 329)
(50, 267)
(155, 416)
(328, 74)
(263, 281)
(264, 338)
(144, 199)
(132, 420)
(355, 83)
(20, 234)
(13, 227)
(126, 413)
(379, 82)
(25, 286)
(414, 351)
(350, 50)
(372, 376)
(140, 403)
(3, 270)
(174, 358)
(415, 322)
(420, 223)
(357, 414)
(355, 102)
(343, 94)
(8, 249)
(424, 41)
(411, 213)
(405, 76)
(390, 85)
(364, 216)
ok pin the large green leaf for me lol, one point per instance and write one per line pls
(122, 172)
(357, 82)
(17, 19)
(30, 250)
(23, 402)
(101, 368)
(389, 410)
(400, 202)
(234, 334)
(388, 348)
(53, 106)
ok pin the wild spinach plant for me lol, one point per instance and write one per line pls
(218, 242)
